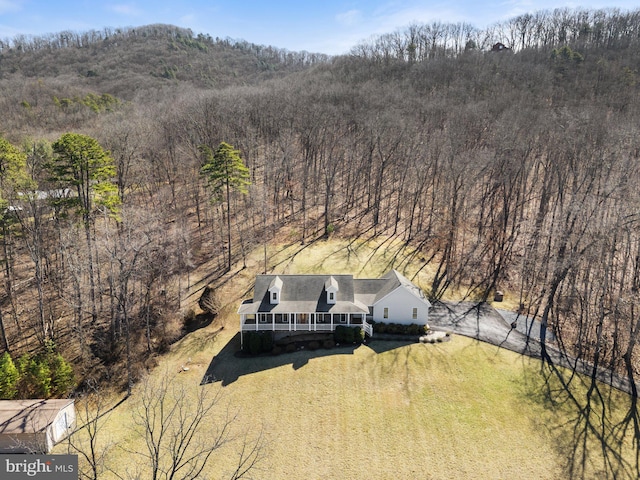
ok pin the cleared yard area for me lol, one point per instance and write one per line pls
(459, 409)
(392, 410)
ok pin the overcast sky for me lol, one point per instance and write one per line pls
(327, 26)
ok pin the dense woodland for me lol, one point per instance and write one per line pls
(512, 168)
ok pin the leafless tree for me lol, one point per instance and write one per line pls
(183, 428)
(87, 440)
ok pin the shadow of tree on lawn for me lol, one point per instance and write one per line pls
(596, 427)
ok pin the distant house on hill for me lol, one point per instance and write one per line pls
(319, 303)
(499, 47)
(34, 426)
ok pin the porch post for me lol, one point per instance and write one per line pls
(331, 321)
(289, 315)
(273, 322)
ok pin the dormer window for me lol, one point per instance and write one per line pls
(331, 287)
(275, 290)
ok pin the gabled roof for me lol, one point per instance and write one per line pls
(276, 283)
(371, 291)
(367, 289)
(307, 293)
(304, 293)
(394, 280)
(331, 283)
(29, 416)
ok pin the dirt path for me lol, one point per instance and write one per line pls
(485, 323)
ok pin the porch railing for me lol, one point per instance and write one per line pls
(251, 325)
(368, 328)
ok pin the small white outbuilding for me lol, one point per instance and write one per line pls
(35, 426)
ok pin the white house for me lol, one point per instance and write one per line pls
(394, 299)
(34, 426)
(319, 303)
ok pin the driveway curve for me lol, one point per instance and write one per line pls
(485, 323)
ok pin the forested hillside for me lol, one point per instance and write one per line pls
(512, 168)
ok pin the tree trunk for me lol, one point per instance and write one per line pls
(228, 226)
(92, 282)
(3, 331)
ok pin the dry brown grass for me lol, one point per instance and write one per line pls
(460, 409)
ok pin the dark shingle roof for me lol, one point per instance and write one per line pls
(306, 293)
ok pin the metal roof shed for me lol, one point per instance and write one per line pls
(34, 426)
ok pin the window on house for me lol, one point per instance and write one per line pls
(275, 295)
(330, 295)
(386, 312)
(415, 313)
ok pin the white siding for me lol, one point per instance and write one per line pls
(331, 287)
(401, 303)
(64, 423)
(275, 290)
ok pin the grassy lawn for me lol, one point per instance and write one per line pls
(459, 409)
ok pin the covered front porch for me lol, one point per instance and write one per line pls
(302, 322)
